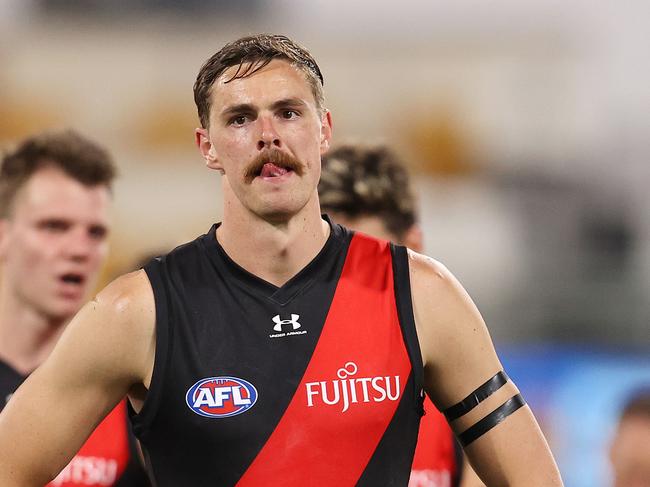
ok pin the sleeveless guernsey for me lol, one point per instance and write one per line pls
(314, 383)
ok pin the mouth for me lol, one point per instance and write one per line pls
(271, 170)
(274, 165)
(73, 279)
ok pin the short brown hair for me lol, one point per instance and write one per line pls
(255, 52)
(361, 181)
(637, 403)
(78, 157)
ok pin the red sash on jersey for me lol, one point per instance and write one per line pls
(322, 444)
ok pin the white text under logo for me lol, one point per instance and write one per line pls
(347, 390)
(94, 471)
(430, 478)
(286, 327)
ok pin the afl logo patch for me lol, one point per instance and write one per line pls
(221, 397)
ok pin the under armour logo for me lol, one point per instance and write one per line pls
(279, 323)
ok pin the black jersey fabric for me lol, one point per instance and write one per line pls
(316, 382)
(109, 458)
(10, 380)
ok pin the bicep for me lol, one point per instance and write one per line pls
(46, 422)
(457, 351)
(49, 417)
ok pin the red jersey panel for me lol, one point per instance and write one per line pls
(434, 464)
(103, 458)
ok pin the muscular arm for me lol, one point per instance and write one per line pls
(458, 357)
(105, 351)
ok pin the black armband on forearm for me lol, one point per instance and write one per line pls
(491, 420)
(470, 402)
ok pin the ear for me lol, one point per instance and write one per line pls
(326, 131)
(413, 239)
(202, 139)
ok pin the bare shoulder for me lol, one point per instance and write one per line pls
(129, 296)
(428, 272)
(439, 297)
(118, 325)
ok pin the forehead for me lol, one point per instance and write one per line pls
(277, 80)
(49, 192)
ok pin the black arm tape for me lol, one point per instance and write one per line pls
(491, 420)
(470, 402)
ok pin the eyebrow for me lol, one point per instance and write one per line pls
(288, 102)
(250, 108)
(235, 109)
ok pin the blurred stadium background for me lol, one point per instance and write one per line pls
(526, 126)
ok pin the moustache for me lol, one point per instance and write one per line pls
(275, 157)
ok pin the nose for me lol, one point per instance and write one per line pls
(79, 246)
(269, 137)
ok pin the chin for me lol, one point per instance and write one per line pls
(274, 210)
(276, 215)
(65, 311)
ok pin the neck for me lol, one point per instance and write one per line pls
(26, 336)
(274, 251)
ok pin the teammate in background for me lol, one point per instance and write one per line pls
(278, 349)
(367, 189)
(630, 449)
(54, 223)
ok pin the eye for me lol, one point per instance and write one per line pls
(289, 114)
(98, 232)
(54, 226)
(238, 120)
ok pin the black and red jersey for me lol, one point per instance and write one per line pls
(107, 459)
(317, 382)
